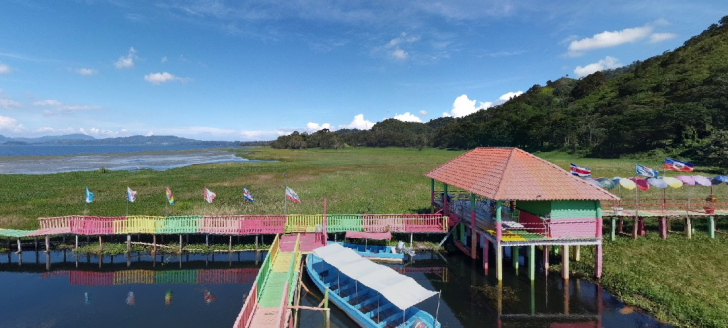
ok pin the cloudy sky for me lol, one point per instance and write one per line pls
(256, 69)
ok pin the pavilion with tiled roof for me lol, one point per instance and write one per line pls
(512, 198)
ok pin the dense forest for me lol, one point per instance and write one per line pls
(675, 104)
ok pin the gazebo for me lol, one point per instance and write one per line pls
(511, 198)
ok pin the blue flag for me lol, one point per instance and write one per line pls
(89, 196)
(646, 171)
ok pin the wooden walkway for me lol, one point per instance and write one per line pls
(274, 287)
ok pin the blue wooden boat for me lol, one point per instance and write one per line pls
(374, 253)
(389, 304)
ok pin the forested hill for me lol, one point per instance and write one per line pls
(672, 104)
(675, 103)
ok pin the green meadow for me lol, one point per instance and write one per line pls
(679, 280)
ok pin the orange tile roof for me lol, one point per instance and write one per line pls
(513, 174)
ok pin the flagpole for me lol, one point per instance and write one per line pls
(285, 199)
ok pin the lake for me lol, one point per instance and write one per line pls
(62, 290)
(57, 159)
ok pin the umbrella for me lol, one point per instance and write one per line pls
(627, 184)
(701, 180)
(719, 179)
(686, 179)
(672, 182)
(657, 182)
(641, 183)
(607, 183)
(593, 181)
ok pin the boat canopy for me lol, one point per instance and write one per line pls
(369, 235)
(402, 291)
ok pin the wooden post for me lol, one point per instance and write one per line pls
(77, 243)
(577, 253)
(36, 243)
(514, 257)
(532, 264)
(411, 241)
(663, 227)
(567, 295)
(20, 250)
(614, 226)
(154, 244)
(444, 201)
(689, 227)
(485, 255)
(598, 266)
(180, 247)
(499, 262)
(634, 228)
(546, 260)
(207, 241)
(643, 232)
(565, 263)
(230, 245)
(432, 193)
(711, 227)
(48, 243)
(256, 245)
(128, 243)
(101, 245)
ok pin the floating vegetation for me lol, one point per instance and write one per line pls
(487, 294)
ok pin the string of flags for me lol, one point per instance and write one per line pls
(209, 196)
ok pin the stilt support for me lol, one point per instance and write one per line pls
(663, 227)
(499, 262)
(128, 243)
(689, 227)
(77, 243)
(101, 244)
(180, 246)
(614, 227)
(532, 262)
(546, 259)
(711, 227)
(577, 253)
(154, 244)
(565, 262)
(514, 257)
(485, 255)
(48, 243)
(598, 264)
(635, 226)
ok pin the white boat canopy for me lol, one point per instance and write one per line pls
(402, 291)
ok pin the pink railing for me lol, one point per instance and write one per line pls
(220, 225)
(94, 225)
(382, 222)
(425, 223)
(283, 308)
(91, 278)
(573, 228)
(246, 313)
(256, 224)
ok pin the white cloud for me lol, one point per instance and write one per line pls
(164, 59)
(157, 78)
(423, 113)
(96, 132)
(659, 37)
(48, 102)
(126, 61)
(313, 127)
(149, 134)
(8, 103)
(394, 49)
(608, 39)
(9, 124)
(407, 117)
(509, 95)
(86, 71)
(358, 123)
(464, 106)
(4, 69)
(606, 63)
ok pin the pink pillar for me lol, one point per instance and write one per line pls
(485, 255)
(598, 267)
(599, 228)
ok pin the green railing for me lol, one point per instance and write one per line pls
(175, 277)
(343, 222)
(177, 224)
(265, 268)
(292, 277)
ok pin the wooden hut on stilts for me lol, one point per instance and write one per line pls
(511, 199)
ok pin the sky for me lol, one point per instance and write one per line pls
(257, 69)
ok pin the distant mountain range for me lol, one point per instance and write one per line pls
(82, 139)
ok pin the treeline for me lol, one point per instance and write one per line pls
(673, 104)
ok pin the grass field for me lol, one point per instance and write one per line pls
(681, 281)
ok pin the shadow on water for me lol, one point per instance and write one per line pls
(62, 290)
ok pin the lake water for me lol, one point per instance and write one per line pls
(61, 290)
(56, 159)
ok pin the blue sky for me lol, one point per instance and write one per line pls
(253, 70)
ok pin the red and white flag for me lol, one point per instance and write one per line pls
(290, 194)
(209, 195)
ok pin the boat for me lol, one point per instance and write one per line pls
(372, 252)
(373, 295)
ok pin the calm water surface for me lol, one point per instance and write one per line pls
(64, 291)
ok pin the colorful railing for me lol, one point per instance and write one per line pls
(303, 223)
(128, 277)
(177, 224)
(95, 225)
(343, 222)
(262, 224)
(246, 313)
(220, 225)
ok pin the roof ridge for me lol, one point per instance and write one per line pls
(508, 160)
